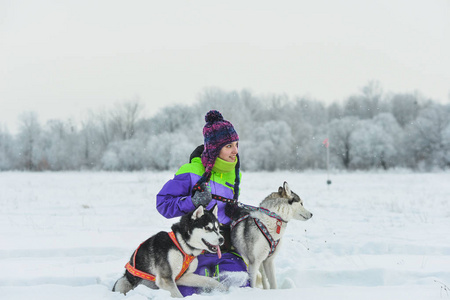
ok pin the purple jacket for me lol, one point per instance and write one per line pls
(174, 199)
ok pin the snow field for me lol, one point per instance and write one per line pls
(373, 235)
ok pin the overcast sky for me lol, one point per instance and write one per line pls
(61, 58)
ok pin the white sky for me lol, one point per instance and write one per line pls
(61, 58)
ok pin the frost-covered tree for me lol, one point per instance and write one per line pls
(405, 108)
(373, 143)
(340, 132)
(228, 103)
(307, 119)
(394, 139)
(426, 137)
(172, 119)
(245, 113)
(169, 151)
(60, 146)
(241, 108)
(105, 130)
(335, 111)
(123, 118)
(7, 153)
(276, 132)
(367, 104)
(446, 145)
(90, 145)
(269, 148)
(305, 147)
(128, 155)
(28, 141)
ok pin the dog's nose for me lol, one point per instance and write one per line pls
(221, 240)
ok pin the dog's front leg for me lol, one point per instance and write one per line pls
(167, 283)
(264, 282)
(270, 272)
(195, 280)
(253, 269)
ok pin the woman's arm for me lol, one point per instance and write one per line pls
(174, 199)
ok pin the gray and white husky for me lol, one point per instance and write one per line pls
(256, 232)
(162, 262)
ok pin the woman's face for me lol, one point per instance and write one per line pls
(229, 151)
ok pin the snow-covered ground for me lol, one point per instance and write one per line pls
(373, 235)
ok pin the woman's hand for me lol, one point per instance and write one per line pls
(202, 197)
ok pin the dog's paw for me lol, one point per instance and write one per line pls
(222, 288)
(234, 279)
(215, 287)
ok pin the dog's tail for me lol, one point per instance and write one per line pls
(122, 285)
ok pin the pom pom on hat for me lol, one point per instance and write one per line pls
(213, 116)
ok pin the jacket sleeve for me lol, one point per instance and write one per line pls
(174, 199)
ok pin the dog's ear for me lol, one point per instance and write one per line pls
(287, 190)
(214, 210)
(198, 212)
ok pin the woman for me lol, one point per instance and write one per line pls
(214, 168)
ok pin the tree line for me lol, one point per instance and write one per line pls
(368, 130)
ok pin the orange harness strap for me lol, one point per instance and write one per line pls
(187, 259)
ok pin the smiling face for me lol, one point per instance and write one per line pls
(229, 151)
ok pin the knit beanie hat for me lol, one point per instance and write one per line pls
(217, 133)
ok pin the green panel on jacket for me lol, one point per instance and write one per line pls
(196, 167)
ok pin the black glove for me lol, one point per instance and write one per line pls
(202, 197)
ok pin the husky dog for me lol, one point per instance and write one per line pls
(256, 232)
(167, 259)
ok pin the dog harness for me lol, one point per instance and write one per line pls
(272, 243)
(187, 259)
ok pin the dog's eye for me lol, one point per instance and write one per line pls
(207, 228)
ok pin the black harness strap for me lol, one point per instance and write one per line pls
(248, 207)
(226, 200)
(272, 243)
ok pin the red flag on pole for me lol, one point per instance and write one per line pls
(326, 143)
